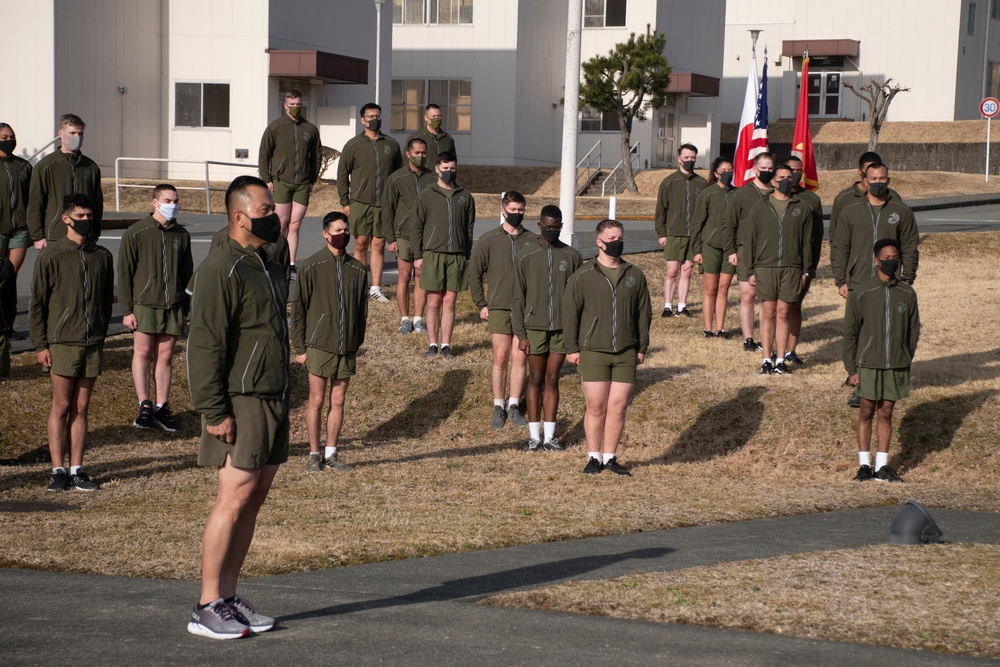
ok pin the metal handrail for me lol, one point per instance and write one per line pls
(208, 184)
(590, 171)
(616, 179)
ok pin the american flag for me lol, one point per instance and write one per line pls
(752, 138)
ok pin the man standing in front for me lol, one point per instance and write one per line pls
(606, 317)
(443, 218)
(238, 348)
(493, 261)
(289, 161)
(674, 208)
(812, 200)
(154, 269)
(366, 163)
(437, 140)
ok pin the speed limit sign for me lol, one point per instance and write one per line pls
(989, 107)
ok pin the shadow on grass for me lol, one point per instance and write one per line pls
(956, 369)
(459, 452)
(106, 472)
(424, 413)
(718, 431)
(930, 427)
(534, 575)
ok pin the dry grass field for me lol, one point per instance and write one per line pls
(708, 440)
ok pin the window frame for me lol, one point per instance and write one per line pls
(452, 111)
(971, 23)
(201, 104)
(608, 121)
(603, 16)
(430, 12)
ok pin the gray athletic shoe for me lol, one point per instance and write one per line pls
(446, 352)
(532, 445)
(419, 326)
(516, 418)
(218, 621)
(314, 463)
(499, 417)
(405, 326)
(552, 445)
(245, 612)
(337, 464)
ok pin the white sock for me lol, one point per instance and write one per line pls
(374, 289)
(448, 345)
(550, 430)
(594, 455)
(881, 459)
(681, 306)
(417, 318)
(498, 402)
(864, 459)
(608, 456)
(666, 306)
(73, 470)
(404, 318)
(535, 430)
(59, 469)
(513, 403)
(315, 454)
(767, 359)
(329, 451)
(160, 405)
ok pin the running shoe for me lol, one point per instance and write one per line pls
(767, 368)
(722, 333)
(405, 326)
(335, 463)
(864, 474)
(667, 313)
(532, 446)
(616, 467)
(593, 466)
(81, 482)
(781, 368)
(145, 418)
(293, 273)
(314, 463)
(854, 401)
(499, 417)
(245, 613)
(791, 357)
(432, 351)
(165, 420)
(59, 481)
(447, 353)
(553, 445)
(709, 334)
(749, 345)
(419, 326)
(375, 294)
(218, 621)
(685, 312)
(887, 474)
(516, 418)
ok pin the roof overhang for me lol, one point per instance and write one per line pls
(693, 84)
(794, 48)
(318, 65)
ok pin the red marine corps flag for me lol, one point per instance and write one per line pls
(802, 143)
(752, 138)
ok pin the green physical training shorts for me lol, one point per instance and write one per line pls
(713, 260)
(168, 321)
(330, 366)
(286, 193)
(444, 271)
(779, 284)
(365, 220)
(678, 249)
(544, 342)
(77, 361)
(499, 322)
(403, 250)
(261, 435)
(604, 366)
(878, 384)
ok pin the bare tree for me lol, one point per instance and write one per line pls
(878, 97)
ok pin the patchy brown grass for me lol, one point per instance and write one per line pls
(856, 132)
(708, 439)
(939, 598)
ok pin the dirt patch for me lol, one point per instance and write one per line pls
(856, 132)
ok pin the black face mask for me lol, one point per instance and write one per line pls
(614, 248)
(797, 179)
(551, 235)
(448, 177)
(375, 124)
(785, 186)
(889, 267)
(878, 190)
(688, 165)
(267, 228)
(515, 219)
(8, 146)
(765, 176)
(81, 227)
(726, 178)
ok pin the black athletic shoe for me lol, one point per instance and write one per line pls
(616, 467)
(81, 482)
(685, 312)
(59, 481)
(791, 357)
(767, 368)
(864, 474)
(667, 313)
(145, 418)
(709, 334)
(749, 345)
(887, 474)
(432, 351)
(854, 401)
(722, 333)
(165, 420)
(781, 368)
(499, 417)
(446, 352)
(774, 357)
(593, 467)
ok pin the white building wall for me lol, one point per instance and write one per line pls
(541, 66)
(28, 41)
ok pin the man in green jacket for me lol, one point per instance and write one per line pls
(606, 317)
(289, 161)
(849, 195)
(154, 268)
(71, 297)
(15, 182)
(65, 172)
(541, 272)
(401, 192)
(881, 329)
(493, 262)
(437, 140)
(365, 164)
(778, 250)
(277, 250)
(329, 315)
(812, 200)
(238, 372)
(674, 212)
(879, 215)
(444, 216)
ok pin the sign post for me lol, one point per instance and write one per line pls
(989, 108)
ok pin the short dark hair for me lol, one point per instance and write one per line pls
(370, 105)
(868, 156)
(782, 166)
(163, 187)
(4, 125)
(792, 158)
(445, 156)
(885, 243)
(608, 223)
(431, 106)
(876, 165)
(551, 211)
(76, 200)
(72, 120)
(238, 189)
(714, 167)
(333, 216)
(763, 156)
(415, 140)
(292, 93)
(513, 196)
(690, 147)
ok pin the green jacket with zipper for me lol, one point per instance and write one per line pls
(861, 225)
(154, 266)
(675, 202)
(290, 151)
(278, 250)
(541, 273)
(238, 343)
(881, 326)
(741, 200)
(844, 198)
(364, 167)
(436, 143)
(401, 190)
(55, 176)
(775, 240)
(604, 316)
(15, 186)
(330, 304)
(72, 292)
(443, 221)
(709, 217)
(493, 261)
(812, 200)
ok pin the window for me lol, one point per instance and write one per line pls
(604, 13)
(995, 9)
(432, 12)
(993, 84)
(201, 105)
(824, 93)
(972, 18)
(592, 120)
(410, 96)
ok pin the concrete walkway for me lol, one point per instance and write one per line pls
(421, 612)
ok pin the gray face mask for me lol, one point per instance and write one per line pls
(448, 177)
(74, 142)
(878, 190)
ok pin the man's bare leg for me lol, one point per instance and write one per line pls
(448, 316)
(164, 371)
(317, 396)
(143, 354)
(298, 214)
